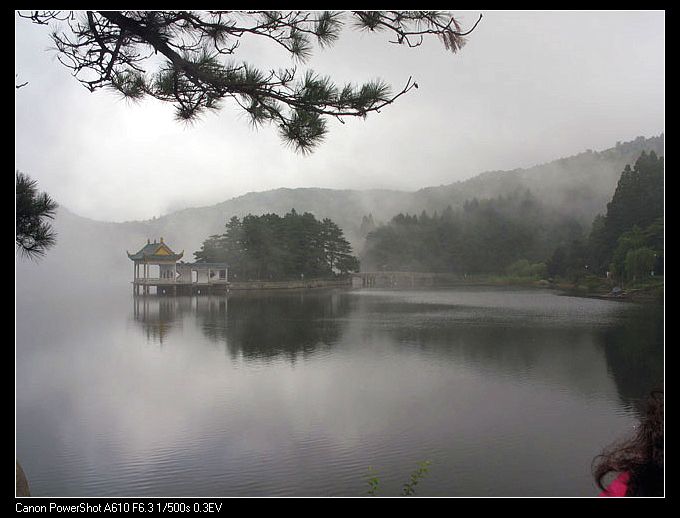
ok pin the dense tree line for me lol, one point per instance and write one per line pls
(279, 248)
(627, 241)
(504, 234)
(634, 217)
(516, 234)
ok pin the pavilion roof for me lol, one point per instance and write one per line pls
(155, 251)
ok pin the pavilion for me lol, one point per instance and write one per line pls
(157, 267)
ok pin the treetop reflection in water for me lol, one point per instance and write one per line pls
(253, 326)
(516, 335)
(506, 392)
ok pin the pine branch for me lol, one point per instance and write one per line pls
(112, 49)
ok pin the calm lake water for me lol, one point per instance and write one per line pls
(507, 392)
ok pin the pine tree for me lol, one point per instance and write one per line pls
(34, 234)
(637, 201)
(337, 250)
(275, 248)
(179, 57)
(212, 250)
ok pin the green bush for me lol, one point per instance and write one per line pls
(639, 263)
(524, 268)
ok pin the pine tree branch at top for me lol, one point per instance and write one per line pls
(119, 50)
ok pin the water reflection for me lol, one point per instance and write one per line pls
(634, 352)
(496, 387)
(259, 326)
(555, 340)
(516, 335)
(158, 316)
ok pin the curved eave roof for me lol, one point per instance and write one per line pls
(149, 252)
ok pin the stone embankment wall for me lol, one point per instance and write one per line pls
(288, 285)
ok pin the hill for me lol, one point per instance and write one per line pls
(92, 253)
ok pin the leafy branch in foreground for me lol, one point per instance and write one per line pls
(34, 235)
(409, 489)
(373, 481)
(121, 50)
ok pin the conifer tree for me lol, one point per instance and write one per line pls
(337, 250)
(195, 73)
(637, 201)
(275, 248)
(34, 234)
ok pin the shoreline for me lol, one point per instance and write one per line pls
(652, 294)
(642, 294)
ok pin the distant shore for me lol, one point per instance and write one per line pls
(645, 294)
(590, 288)
(650, 292)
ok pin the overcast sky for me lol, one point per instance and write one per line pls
(529, 87)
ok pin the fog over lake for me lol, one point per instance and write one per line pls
(504, 391)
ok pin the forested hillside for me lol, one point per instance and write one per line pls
(484, 236)
(627, 241)
(521, 234)
(578, 187)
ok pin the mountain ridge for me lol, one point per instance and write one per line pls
(580, 185)
(485, 175)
